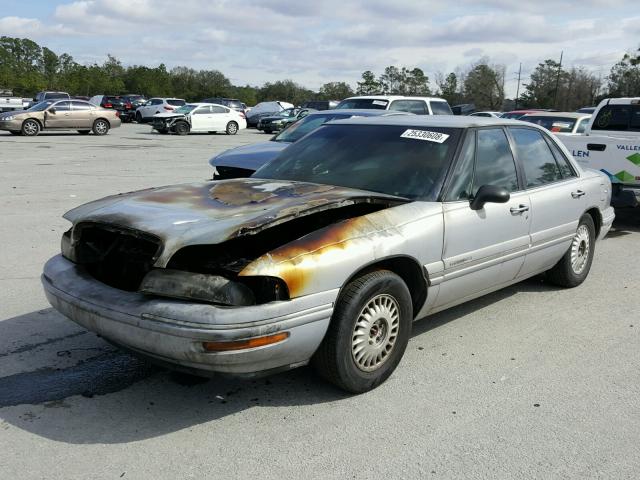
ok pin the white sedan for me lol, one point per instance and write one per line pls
(200, 117)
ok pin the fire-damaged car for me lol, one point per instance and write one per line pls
(329, 253)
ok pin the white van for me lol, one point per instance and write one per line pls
(399, 103)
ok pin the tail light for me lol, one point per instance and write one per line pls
(108, 105)
(168, 107)
(118, 113)
(128, 106)
(242, 115)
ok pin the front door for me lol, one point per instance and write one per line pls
(58, 115)
(483, 248)
(202, 119)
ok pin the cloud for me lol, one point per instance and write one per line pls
(25, 27)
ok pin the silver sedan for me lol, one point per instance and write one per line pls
(330, 252)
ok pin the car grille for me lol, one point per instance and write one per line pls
(117, 257)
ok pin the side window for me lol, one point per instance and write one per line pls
(156, 101)
(634, 123)
(582, 126)
(565, 167)
(460, 188)
(613, 117)
(534, 155)
(417, 107)
(494, 161)
(216, 109)
(202, 110)
(441, 108)
(80, 106)
(62, 106)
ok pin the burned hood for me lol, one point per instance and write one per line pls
(213, 212)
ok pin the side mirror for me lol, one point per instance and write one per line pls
(52, 110)
(489, 194)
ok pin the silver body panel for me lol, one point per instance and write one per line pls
(463, 253)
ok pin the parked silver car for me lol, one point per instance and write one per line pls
(329, 253)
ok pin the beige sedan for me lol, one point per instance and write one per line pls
(60, 115)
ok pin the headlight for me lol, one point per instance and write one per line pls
(8, 118)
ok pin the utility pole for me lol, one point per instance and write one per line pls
(555, 95)
(518, 88)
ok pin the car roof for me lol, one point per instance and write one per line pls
(394, 97)
(357, 112)
(204, 104)
(558, 114)
(435, 121)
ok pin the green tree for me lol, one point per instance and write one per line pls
(284, 90)
(483, 86)
(369, 85)
(624, 78)
(543, 87)
(449, 88)
(335, 91)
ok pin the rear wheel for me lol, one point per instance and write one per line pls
(138, 117)
(30, 128)
(181, 128)
(574, 266)
(369, 332)
(100, 127)
(232, 128)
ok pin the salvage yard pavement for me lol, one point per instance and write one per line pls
(533, 381)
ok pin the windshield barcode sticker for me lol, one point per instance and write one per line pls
(380, 102)
(425, 135)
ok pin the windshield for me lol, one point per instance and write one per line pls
(289, 112)
(553, 124)
(513, 115)
(39, 107)
(395, 160)
(175, 102)
(300, 128)
(366, 103)
(185, 109)
(53, 95)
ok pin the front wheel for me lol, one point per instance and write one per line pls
(574, 266)
(100, 127)
(232, 128)
(30, 128)
(368, 334)
(181, 128)
(138, 117)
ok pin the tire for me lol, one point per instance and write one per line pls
(100, 127)
(30, 128)
(232, 128)
(268, 132)
(84, 132)
(181, 128)
(361, 367)
(139, 117)
(574, 266)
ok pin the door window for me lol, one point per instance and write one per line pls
(216, 109)
(62, 106)
(460, 188)
(565, 167)
(582, 126)
(494, 161)
(441, 108)
(202, 111)
(80, 106)
(534, 155)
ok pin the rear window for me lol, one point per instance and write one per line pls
(417, 107)
(234, 104)
(441, 108)
(175, 102)
(365, 103)
(553, 124)
(618, 118)
(56, 95)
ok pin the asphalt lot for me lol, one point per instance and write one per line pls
(530, 382)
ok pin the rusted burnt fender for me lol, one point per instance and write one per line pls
(327, 258)
(213, 212)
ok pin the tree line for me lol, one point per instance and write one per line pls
(26, 68)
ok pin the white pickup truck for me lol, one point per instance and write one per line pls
(8, 102)
(611, 144)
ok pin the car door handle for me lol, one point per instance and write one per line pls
(577, 194)
(597, 147)
(519, 209)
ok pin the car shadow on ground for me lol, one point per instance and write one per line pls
(113, 397)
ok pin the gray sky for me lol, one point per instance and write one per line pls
(313, 42)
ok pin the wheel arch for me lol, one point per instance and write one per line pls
(594, 213)
(102, 118)
(412, 273)
(37, 120)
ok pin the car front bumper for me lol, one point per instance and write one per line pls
(172, 331)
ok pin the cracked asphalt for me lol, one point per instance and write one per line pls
(530, 382)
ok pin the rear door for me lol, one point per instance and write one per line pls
(202, 119)
(483, 248)
(81, 115)
(220, 117)
(556, 195)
